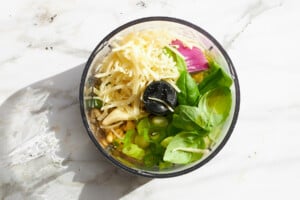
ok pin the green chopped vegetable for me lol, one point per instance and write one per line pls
(141, 142)
(134, 151)
(159, 121)
(143, 128)
(155, 136)
(93, 103)
(129, 135)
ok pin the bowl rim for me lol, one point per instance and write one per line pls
(232, 70)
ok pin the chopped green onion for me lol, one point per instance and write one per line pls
(93, 103)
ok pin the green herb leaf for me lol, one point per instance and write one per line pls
(178, 59)
(190, 118)
(184, 148)
(216, 105)
(215, 133)
(214, 77)
(189, 92)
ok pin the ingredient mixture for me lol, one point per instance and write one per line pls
(157, 100)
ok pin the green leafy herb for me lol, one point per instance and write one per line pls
(214, 77)
(216, 105)
(190, 118)
(184, 148)
(189, 92)
(177, 57)
(159, 121)
(215, 133)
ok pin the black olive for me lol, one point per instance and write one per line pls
(160, 98)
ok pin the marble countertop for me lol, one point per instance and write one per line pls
(45, 152)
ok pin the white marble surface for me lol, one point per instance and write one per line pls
(44, 150)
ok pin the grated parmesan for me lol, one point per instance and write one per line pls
(136, 60)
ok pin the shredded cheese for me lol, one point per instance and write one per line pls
(136, 60)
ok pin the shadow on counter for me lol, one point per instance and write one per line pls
(44, 146)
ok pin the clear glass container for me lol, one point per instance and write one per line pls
(190, 31)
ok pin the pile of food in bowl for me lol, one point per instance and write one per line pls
(156, 101)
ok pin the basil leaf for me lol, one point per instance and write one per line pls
(184, 148)
(190, 118)
(214, 77)
(216, 105)
(189, 93)
(213, 108)
(215, 133)
(178, 59)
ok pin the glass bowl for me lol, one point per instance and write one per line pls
(190, 31)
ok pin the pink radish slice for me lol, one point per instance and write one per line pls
(194, 57)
